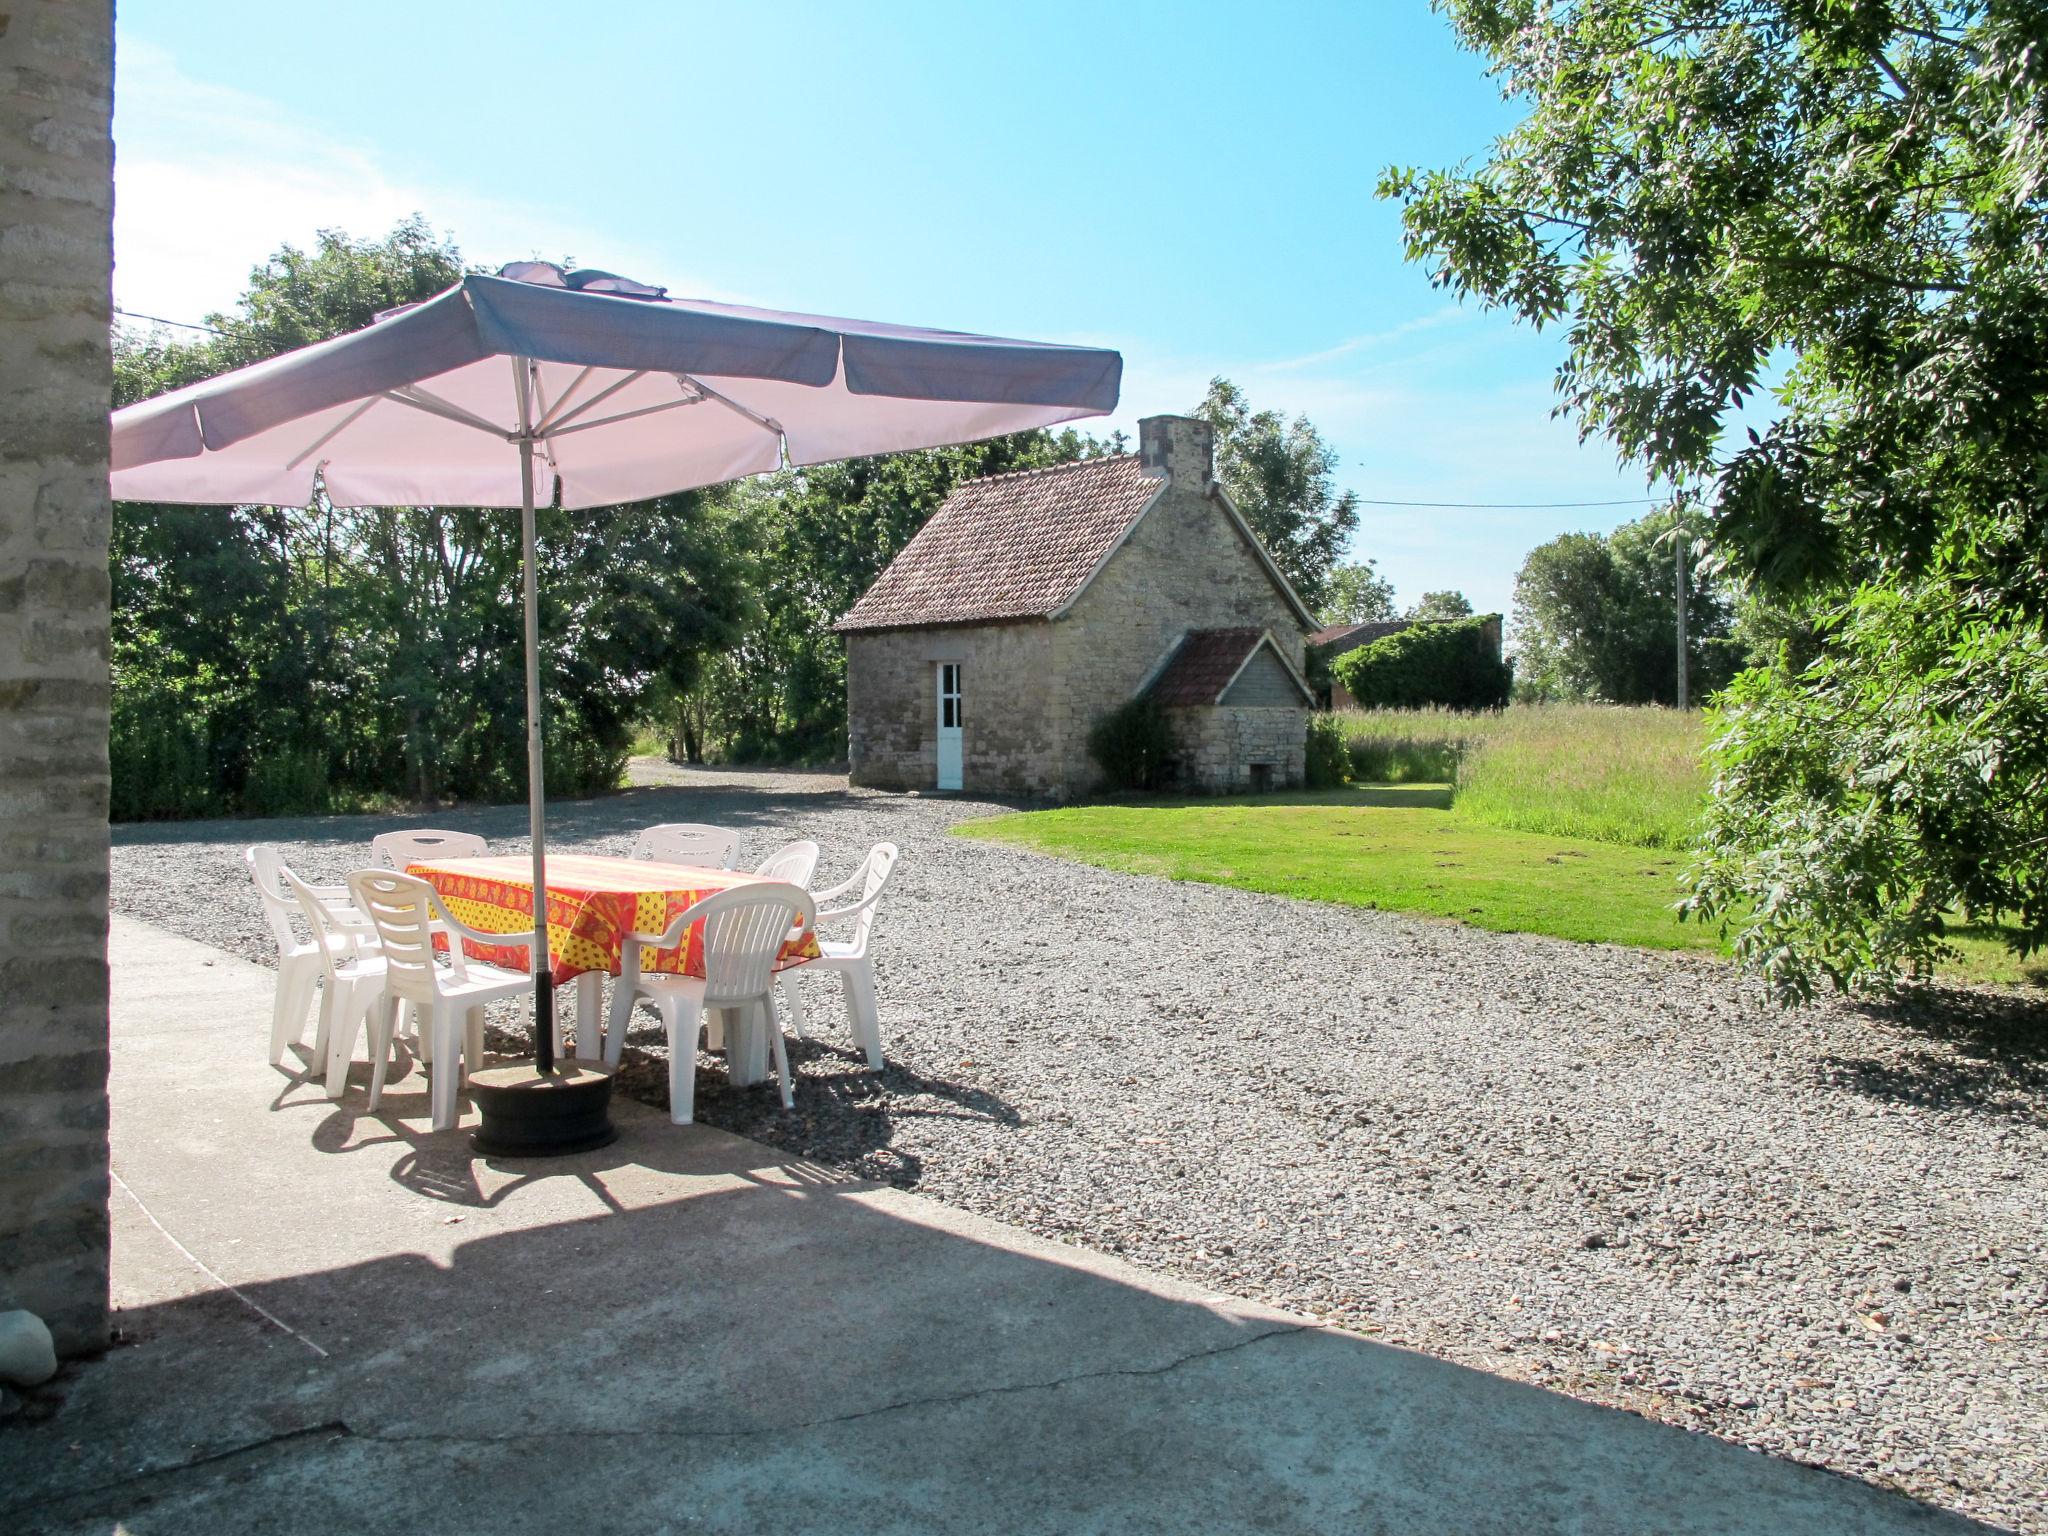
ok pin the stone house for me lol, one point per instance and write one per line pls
(1032, 604)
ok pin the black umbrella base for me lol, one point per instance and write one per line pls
(526, 1114)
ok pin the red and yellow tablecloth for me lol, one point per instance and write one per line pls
(593, 903)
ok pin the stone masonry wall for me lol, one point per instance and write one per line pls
(1219, 745)
(1006, 693)
(1184, 567)
(56, 261)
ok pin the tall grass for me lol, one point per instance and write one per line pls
(1615, 775)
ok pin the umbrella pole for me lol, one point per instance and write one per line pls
(543, 979)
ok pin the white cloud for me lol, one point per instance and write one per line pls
(209, 181)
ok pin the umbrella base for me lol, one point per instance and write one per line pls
(526, 1114)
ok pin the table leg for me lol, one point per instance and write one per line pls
(590, 1016)
(746, 1046)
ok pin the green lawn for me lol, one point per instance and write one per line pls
(1402, 848)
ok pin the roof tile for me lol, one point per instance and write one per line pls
(1203, 666)
(1016, 546)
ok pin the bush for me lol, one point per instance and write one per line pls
(1134, 746)
(158, 754)
(1451, 664)
(1328, 762)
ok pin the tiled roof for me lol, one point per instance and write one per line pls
(1202, 668)
(1015, 546)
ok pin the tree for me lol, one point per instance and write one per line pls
(1281, 476)
(1596, 618)
(1436, 606)
(273, 658)
(1356, 594)
(1853, 199)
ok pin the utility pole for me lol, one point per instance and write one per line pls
(1679, 542)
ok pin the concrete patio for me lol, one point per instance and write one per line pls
(337, 1322)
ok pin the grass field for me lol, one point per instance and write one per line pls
(1568, 770)
(1568, 821)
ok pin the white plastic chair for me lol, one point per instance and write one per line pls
(407, 912)
(352, 966)
(794, 862)
(691, 843)
(300, 962)
(745, 929)
(849, 959)
(395, 850)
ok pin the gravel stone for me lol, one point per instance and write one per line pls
(1614, 1172)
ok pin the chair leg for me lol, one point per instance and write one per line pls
(473, 1041)
(288, 1008)
(683, 1018)
(340, 1018)
(383, 1025)
(781, 1054)
(442, 1030)
(791, 994)
(867, 1022)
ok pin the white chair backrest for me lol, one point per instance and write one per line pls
(337, 942)
(794, 862)
(881, 865)
(403, 909)
(267, 869)
(395, 850)
(689, 842)
(744, 931)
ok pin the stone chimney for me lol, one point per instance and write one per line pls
(1182, 446)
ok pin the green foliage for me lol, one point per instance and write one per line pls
(1436, 606)
(1862, 804)
(1453, 664)
(272, 659)
(1596, 618)
(1281, 476)
(1853, 198)
(1356, 594)
(1327, 764)
(1133, 745)
(1629, 776)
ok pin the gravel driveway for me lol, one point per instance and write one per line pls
(1609, 1171)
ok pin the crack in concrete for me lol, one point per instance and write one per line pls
(89, 1498)
(46, 1505)
(938, 1400)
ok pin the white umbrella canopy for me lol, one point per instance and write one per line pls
(601, 389)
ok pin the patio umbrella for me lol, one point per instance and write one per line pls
(604, 389)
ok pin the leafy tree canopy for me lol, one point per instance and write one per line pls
(1434, 606)
(1596, 618)
(1356, 594)
(1282, 476)
(1849, 199)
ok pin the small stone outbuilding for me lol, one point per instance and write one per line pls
(1033, 604)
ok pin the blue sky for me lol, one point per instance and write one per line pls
(1189, 183)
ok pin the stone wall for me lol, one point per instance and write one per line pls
(56, 261)
(1007, 741)
(1220, 745)
(1183, 567)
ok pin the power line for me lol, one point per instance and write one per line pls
(183, 325)
(1503, 506)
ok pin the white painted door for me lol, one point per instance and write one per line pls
(949, 725)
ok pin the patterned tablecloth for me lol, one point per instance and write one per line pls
(593, 903)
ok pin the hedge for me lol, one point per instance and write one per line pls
(1452, 665)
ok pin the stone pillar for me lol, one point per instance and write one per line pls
(56, 266)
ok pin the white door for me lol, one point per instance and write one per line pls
(949, 725)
